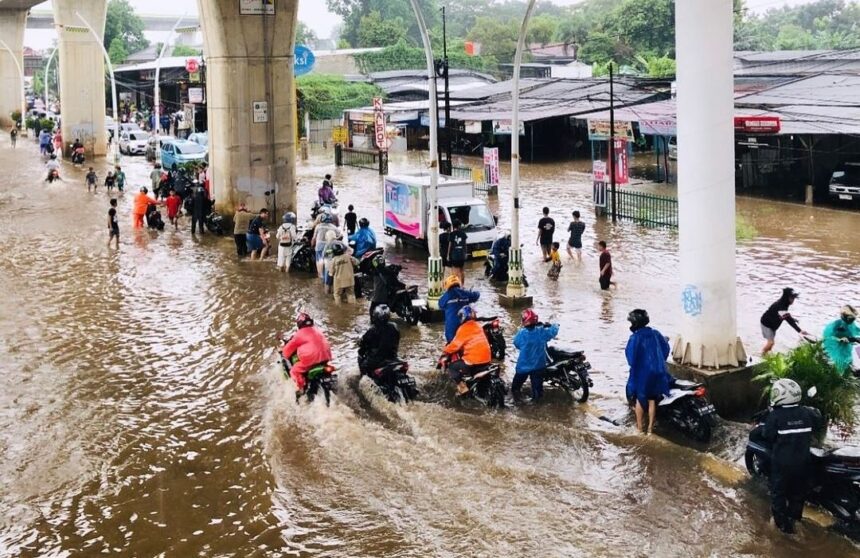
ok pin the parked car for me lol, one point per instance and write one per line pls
(200, 138)
(133, 142)
(180, 152)
(673, 148)
(845, 182)
(151, 145)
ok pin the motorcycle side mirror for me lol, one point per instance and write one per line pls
(812, 392)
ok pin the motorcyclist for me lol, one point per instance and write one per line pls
(53, 166)
(500, 250)
(78, 152)
(647, 350)
(839, 338)
(385, 282)
(364, 238)
(310, 345)
(326, 192)
(788, 430)
(452, 300)
(379, 344)
(531, 340)
(472, 346)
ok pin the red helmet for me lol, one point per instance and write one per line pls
(304, 320)
(530, 317)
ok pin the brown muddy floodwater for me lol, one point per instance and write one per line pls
(141, 413)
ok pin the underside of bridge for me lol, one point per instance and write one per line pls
(13, 16)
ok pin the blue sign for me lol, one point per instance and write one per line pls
(304, 62)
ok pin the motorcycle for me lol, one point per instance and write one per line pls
(304, 259)
(493, 330)
(501, 274)
(834, 474)
(364, 272)
(53, 175)
(394, 382)
(404, 301)
(485, 383)
(568, 370)
(321, 376)
(687, 407)
(78, 156)
(215, 223)
(153, 218)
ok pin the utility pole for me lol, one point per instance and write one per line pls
(442, 72)
(612, 143)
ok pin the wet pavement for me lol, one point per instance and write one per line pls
(141, 413)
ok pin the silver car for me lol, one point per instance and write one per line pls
(133, 142)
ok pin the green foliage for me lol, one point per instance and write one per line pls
(123, 24)
(117, 51)
(655, 66)
(46, 124)
(185, 50)
(498, 37)
(31, 123)
(16, 116)
(305, 35)
(352, 12)
(374, 31)
(809, 366)
(744, 230)
(328, 96)
(402, 56)
(542, 29)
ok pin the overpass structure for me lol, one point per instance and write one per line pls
(250, 83)
(44, 19)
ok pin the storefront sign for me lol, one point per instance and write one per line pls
(303, 61)
(621, 163)
(758, 124)
(660, 127)
(505, 127)
(195, 95)
(598, 130)
(257, 7)
(472, 127)
(261, 112)
(339, 134)
(598, 171)
(425, 120)
(491, 166)
(379, 124)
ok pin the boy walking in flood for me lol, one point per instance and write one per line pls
(110, 182)
(546, 228)
(605, 263)
(555, 258)
(576, 228)
(113, 224)
(92, 180)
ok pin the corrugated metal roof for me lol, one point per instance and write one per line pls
(818, 90)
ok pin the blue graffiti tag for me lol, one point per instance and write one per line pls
(692, 300)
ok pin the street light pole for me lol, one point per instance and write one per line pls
(434, 262)
(116, 153)
(23, 92)
(516, 292)
(157, 94)
(48, 67)
(446, 167)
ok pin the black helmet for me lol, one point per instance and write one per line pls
(363, 222)
(378, 261)
(381, 314)
(338, 248)
(638, 319)
(304, 320)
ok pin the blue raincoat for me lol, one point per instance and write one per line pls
(838, 351)
(450, 302)
(646, 352)
(364, 239)
(532, 345)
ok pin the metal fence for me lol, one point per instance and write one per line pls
(361, 158)
(648, 209)
(473, 174)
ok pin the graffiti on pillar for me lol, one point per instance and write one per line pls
(257, 7)
(85, 133)
(691, 298)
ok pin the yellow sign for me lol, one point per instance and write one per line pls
(339, 134)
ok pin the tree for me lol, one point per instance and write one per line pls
(123, 24)
(794, 37)
(542, 29)
(375, 31)
(497, 37)
(352, 11)
(185, 50)
(117, 51)
(325, 96)
(305, 35)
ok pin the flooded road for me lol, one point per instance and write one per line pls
(141, 413)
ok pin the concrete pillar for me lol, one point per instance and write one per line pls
(251, 104)
(82, 73)
(12, 24)
(706, 191)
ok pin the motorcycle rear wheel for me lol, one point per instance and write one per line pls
(409, 313)
(496, 396)
(755, 464)
(577, 386)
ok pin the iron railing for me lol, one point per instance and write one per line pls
(648, 209)
(361, 158)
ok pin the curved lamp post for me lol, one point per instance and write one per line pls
(48, 67)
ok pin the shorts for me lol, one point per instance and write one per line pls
(457, 263)
(319, 252)
(767, 333)
(605, 282)
(575, 244)
(114, 233)
(546, 245)
(254, 242)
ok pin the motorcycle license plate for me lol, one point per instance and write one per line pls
(480, 253)
(706, 410)
(419, 303)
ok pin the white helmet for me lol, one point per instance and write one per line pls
(785, 392)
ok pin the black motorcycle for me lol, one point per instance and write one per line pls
(394, 381)
(321, 376)
(501, 270)
(568, 370)
(493, 330)
(78, 157)
(364, 272)
(304, 259)
(688, 409)
(403, 300)
(834, 474)
(215, 223)
(153, 218)
(485, 382)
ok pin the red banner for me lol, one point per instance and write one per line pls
(758, 124)
(379, 124)
(621, 162)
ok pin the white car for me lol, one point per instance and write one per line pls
(133, 142)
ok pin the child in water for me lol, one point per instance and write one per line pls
(555, 266)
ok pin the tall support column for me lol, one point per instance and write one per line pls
(12, 24)
(251, 104)
(706, 185)
(82, 73)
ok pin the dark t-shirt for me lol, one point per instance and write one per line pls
(114, 222)
(576, 229)
(547, 228)
(255, 226)
(458, 241)
(351, 218)
(776, 314)
(444, 240)
(606, 258)
(91, 178)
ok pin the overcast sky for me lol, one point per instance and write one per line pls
(312, 12)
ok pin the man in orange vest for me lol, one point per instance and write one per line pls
(141, 202)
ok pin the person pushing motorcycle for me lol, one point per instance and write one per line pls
(646, 354)
(840, 337)
(452, 301)
(472, 346)
(532, 340)
(312, 348)
(788, 430)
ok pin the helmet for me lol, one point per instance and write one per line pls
(849, 314)
(530, 317)
(363, 222)
(378, 261)
(785, 392)
(289, 217)
(788, 292)
(467, 313)
(381, 314)
(338, 248)
(326, 218)
(638, 319)
(503, 234)
(451, 281)
(304, 320)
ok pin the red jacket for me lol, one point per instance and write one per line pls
(311, 346)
